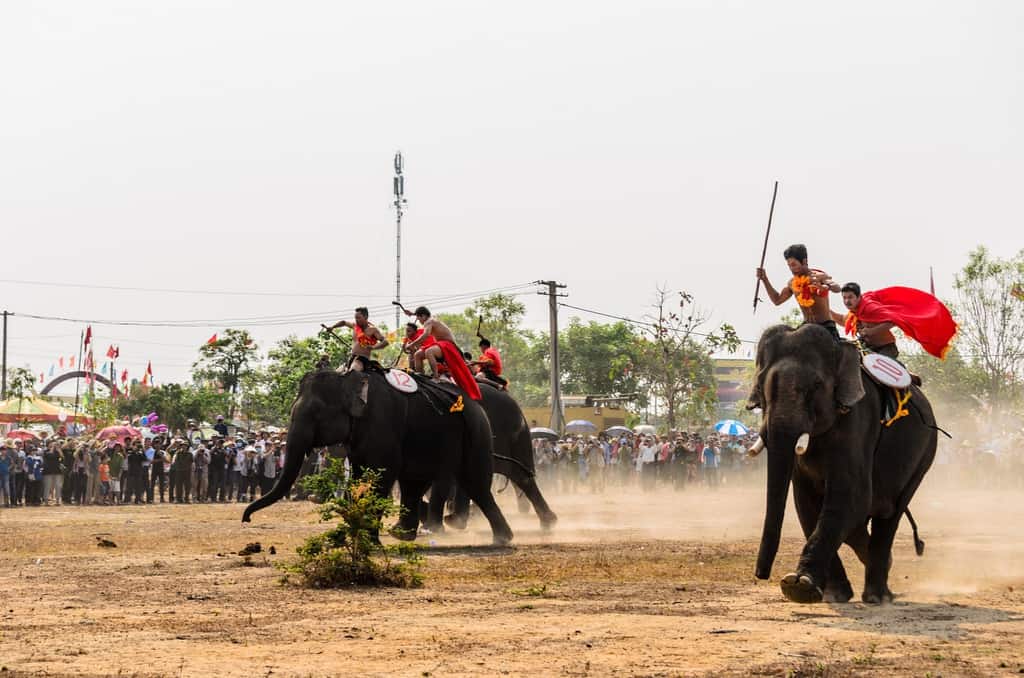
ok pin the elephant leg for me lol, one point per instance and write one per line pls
(837, 587)
(528, 484)
(459, 517)
(876, 571)
(522, 503)
(479, 491)
(440, 491)
(412, 490)
(858, 540)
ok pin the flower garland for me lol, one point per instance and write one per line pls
(802, 290)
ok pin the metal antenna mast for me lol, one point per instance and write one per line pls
(399, 205)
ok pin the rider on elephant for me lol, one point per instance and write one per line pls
(489, 364)
(367, 338)
(809, 286)
(919, 315)
(443, 348)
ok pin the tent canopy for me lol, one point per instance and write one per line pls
(35, 409)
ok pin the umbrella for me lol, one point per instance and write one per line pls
(644, 430)
(541, 432)
(22, 434)
(617, 430)
(36, 409)
(580, 426)
(118, 433)
(731, 427)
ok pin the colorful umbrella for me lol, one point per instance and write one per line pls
(22, 434)
(617, 430)
(118, 433)
(35, 410)
(731, 427)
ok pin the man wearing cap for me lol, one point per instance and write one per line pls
(220, 427)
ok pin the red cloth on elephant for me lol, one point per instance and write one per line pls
(920, 315)
(459, 369)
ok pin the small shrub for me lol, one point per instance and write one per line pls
(349, 554)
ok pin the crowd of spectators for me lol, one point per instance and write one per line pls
(189, 467)
(679, 460)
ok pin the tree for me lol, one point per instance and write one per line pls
(176, 404)
(598, 358)
(20, 383)
(226, 360)
(675, 358)
(991, 317)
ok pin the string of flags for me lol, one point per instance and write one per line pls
(87, 363)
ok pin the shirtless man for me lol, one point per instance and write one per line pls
(876, 336)
(809, 286)
(368, 338)
(439, 343)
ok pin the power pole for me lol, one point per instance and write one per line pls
(557, 417)
(3, 391)
(399, 205)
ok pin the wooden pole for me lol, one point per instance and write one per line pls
(764, 250)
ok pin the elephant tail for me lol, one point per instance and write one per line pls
(918, 542)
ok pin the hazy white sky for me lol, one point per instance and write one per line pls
(246, 147)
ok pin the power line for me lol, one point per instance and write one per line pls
(638, 322)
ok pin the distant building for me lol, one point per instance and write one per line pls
(602, 411)
(734, 377)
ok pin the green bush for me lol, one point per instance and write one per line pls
(348, 554)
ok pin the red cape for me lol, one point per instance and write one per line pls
(918, 314)
(459, 370)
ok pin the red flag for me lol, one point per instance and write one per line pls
(88, 335)
(110, 352)
(61, 361)
(124, 377)
(212, 340)
(117, 352)
(149, 368)
(145, 379)
(71, 362)
(40, 377)
(920, 315)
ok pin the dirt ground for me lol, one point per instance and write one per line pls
(627, 584)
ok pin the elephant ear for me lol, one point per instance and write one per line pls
(360, 396)
(849, 384)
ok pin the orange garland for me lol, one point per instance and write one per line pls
(802, 290)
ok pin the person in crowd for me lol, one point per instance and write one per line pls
(215, 491)
(711, 457)
(200, 471)
(33, 477)
(158, 471)
(68, 467)
(104, 470)
(220, 427)
(53, 473)
(182, 464)
(6, 462)
(116, 462)
(268, 468)
(647, 464)
(134, 460)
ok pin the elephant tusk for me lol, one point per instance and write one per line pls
(756, 448)
(802, 443)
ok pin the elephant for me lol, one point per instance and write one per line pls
(513, 458)
(846, 466)
(416, 439)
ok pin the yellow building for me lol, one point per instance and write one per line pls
(734, 377)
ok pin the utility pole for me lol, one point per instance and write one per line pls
(3, 391)
(557, 418)
(399, 205)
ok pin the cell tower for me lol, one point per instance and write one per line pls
(399, 205)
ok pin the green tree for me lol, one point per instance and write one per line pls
(598, 358)
(20, 383)
(271, 390)
(226, 360)
(176, 404)
(991, 317)
(674, 357)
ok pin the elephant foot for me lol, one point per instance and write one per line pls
(800, 589)
(402, 534)
(456, 521)
(502, 540)
(547, 523)
(842, 593)
(875, 597)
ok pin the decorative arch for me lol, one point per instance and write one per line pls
(80, 374)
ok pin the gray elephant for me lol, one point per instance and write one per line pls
(846, 466)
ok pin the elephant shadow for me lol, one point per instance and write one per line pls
(940, 620)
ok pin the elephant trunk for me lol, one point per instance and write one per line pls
(299, 445)
(780, 472)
